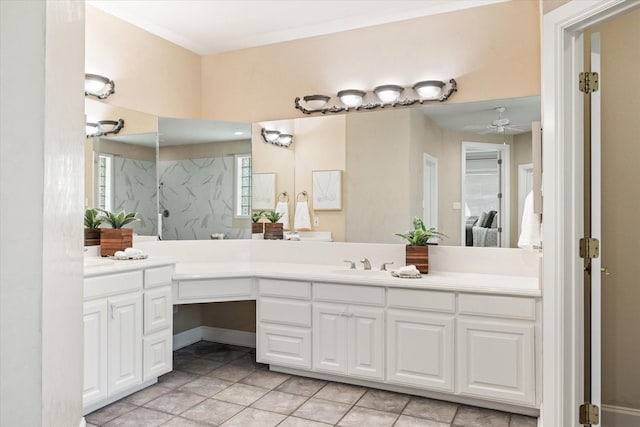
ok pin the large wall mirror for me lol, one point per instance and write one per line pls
(204, 178)
(447, 163)
(121, 169)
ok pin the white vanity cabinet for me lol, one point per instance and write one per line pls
(127, 333)
(496, 348)
(284, 323)
(348, 337)
(420, 339)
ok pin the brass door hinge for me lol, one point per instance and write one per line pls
(589, 248)
(588, 82)
(589, 414)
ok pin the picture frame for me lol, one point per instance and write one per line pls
(263, 191)
(327, 190)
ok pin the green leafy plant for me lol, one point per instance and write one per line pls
(120, 219)
(92, 218)
(272, 216)
(256, 216)
(420, 234)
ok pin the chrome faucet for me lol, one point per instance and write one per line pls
(383, 267)
(367, 264)
(352, 265)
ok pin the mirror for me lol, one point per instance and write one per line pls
(400, 163)
(204, 176)
(120, 169)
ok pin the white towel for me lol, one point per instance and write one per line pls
(531, 234)
(283, 208)
(302, 220)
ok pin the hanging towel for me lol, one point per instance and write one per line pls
(302, 220)
(283, 208)
(531, 233)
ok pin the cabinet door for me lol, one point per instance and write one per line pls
(284, 345)
(95, 352)
(157, 354)
(158, 309)
(125, 342)
(330, 338)
(496, 360)
(366, 342)
(420, 349)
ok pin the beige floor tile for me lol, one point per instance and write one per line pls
(324, 411)
(384, 401)
(522, 421)
(106, 414)
(241, 394)
(301, 385)
(176, 379)
(195, 365)
(232, 372)
(437, 410)
(407, 421)
(183, 422)
(301, 422)
(265, 379)
(251, 417)
(359, 416)
(338, 392)
(146, 395)
(140, 417)
(277, 401)
(206, 386)
(213, 412)
(470, 416)
(175, 402)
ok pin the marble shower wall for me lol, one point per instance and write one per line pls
(198, 193)
(135, 191)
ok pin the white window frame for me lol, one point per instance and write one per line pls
(237, 192)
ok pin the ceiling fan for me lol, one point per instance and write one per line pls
(501, 125)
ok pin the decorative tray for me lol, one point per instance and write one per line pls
(406, 276)
(129, 257)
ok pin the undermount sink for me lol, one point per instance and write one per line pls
(364, 273)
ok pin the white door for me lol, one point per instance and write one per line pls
(330, 338)
(95, 352)
(125, 342)
(420, 349)
(365, 342)
(157, 354)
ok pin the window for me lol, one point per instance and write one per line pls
(243, 186)
(105, 182)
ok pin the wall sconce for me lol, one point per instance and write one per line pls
(99, 86)
(276, 138)
(386, 95)
(104, 127)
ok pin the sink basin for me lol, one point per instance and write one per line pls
(96, 262)
(363, 273)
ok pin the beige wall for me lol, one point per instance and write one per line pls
(236, 315)
(202, 151)
(482, 48)
(620, 207)
(549, 5)
(151, 74)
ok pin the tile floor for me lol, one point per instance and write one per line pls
(221, 385)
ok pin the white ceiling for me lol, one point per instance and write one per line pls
(213, 26)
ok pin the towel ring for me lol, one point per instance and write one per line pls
(304, 195)
(283, 197)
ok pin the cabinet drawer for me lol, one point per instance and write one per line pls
(297, 313)
(157, 354)
(215, 290)
(497, 306)
(158, 309)
(422, 300)
(285, 288)
(112, 284)
(366, 295)
(158, 276)
(286, 346)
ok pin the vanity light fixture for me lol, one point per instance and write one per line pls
(99, 86)
(276, 138)
(388, 94)
(382, 96)
(352, 98)
(104, 127)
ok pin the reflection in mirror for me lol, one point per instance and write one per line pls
(204, 170)
(401, 163)
(121, 169)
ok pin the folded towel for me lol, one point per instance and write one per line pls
(283, 208)
(407, 272)
(531, 233)
(302, 220)
(132, 252)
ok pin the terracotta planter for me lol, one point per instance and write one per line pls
(273, 231)
(113, 240)
(257, 227)
(91, 236)
(418, 256)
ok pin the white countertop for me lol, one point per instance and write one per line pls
(97, 266)
(449, 281)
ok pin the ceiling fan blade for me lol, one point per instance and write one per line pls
(475, 128)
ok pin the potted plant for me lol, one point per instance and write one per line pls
(92, 221)
(273, 230)
(257, 227)
(116, 238)
(417, 251)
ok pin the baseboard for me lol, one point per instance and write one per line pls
(210, 333)
(617, 416)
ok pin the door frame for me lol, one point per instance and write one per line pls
(524, 170)
(562, 59)
(430, 175)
